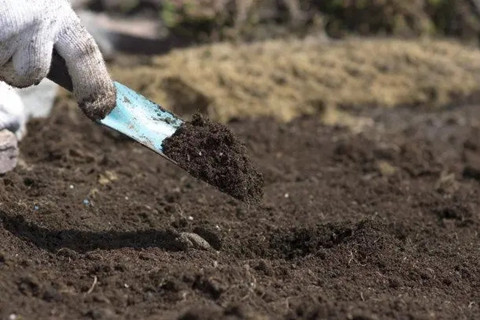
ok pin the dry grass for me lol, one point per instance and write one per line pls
(287, 79)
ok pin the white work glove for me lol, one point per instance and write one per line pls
(31, 29)
(12, 111)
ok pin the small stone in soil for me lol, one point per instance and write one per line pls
(211, 152)
(193, 240)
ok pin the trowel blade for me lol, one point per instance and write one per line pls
(141, 119)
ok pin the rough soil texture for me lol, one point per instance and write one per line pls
(210, 152)
(286, 79)
(377, 225)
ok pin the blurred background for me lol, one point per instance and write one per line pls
(288, 58)
(214, 20)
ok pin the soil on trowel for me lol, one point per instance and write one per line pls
(211, 152)
(378, 224)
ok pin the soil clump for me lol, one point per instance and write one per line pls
(210, 152)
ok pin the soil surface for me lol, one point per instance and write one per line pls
(210, 152)
(382, 224)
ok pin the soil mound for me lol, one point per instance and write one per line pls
(286, 79)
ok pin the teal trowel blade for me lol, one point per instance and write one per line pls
(141, 119)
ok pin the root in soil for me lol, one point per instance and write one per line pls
(211, 152)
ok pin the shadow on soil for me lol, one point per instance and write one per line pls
(84, 241)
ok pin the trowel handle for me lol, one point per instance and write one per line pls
(59, 72)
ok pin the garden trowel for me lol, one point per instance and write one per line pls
(222, 164)
(134, 115)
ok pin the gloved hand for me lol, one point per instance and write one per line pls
(12, 111)
(12, 126)
(30, 29)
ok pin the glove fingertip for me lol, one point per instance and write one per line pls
(98, 105)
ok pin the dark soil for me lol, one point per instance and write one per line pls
(378, 225)
(210, 152)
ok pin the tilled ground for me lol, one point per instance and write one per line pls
(377, 225)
